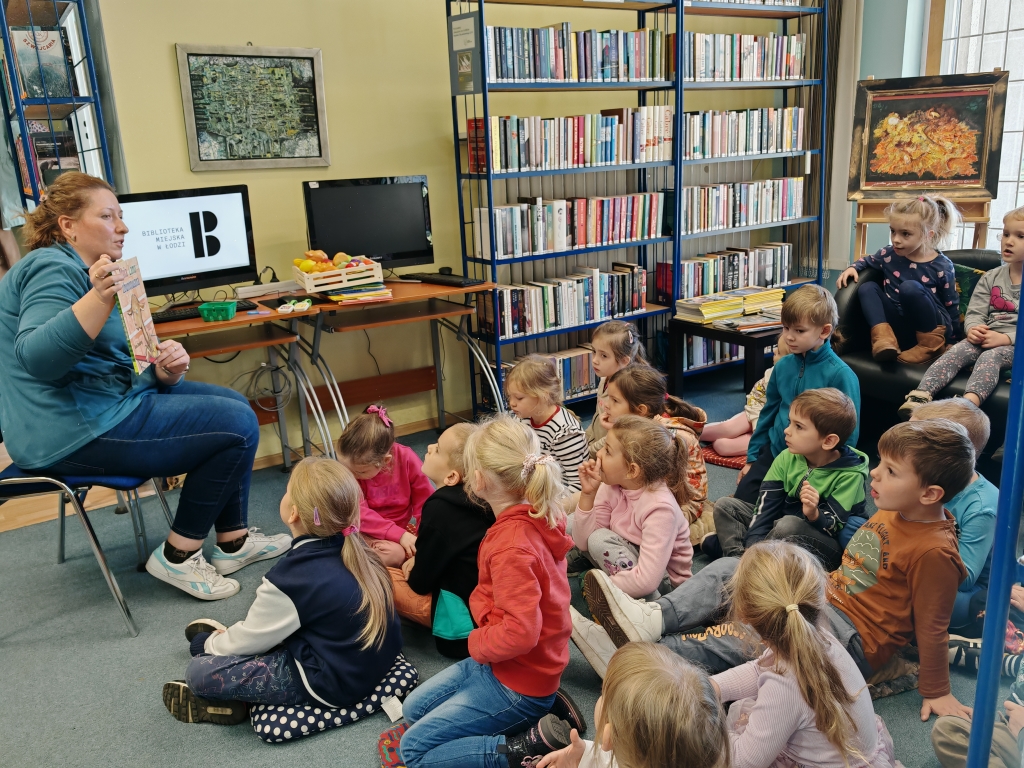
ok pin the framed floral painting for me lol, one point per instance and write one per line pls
(928, 134)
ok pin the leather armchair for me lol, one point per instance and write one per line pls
(883, 386)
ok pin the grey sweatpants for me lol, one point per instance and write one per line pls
(692, 611)
(612, 554)
(733, 518)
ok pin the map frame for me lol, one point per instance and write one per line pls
(197, 163)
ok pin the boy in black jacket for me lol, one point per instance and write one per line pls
(433, 587)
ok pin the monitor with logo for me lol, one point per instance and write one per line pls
(188, 239)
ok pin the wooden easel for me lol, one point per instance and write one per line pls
(873, 212)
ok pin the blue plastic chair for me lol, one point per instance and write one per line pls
(16, 484)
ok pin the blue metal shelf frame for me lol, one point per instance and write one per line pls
(781, 13)
(19, 103)
(1005, 571)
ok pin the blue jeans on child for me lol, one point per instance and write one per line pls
(206, 431)
(454, 717)
(269, 678)
(919, 310)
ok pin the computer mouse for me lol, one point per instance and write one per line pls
(444, 271)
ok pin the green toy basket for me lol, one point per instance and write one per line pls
(212, 311)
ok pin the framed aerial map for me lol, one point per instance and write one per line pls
(250, 107)
(928, 134)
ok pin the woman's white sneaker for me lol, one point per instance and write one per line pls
(593, 642)
(257, 546)
(194, 576)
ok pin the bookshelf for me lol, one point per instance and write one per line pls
(490, 187)
(50, 94)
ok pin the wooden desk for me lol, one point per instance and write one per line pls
(754, 346)
(243, 332)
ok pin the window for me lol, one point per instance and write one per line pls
(978, 36)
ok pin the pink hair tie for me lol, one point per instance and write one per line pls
(382, 412)
(350, 530)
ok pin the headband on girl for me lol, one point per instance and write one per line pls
(350, 530)
(531, 462)
(381, 411)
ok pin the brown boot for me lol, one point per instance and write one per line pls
(930, 345)
(884, 346)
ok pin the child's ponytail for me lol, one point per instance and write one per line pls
(659, 455)
(938, 215)
(778, 590)
(509, 451)
(368, 437)
(326, 496)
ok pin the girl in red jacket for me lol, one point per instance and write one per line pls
(391, 479)
(520, 607)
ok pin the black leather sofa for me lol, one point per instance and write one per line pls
(884, 386)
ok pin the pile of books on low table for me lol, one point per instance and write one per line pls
(728, 304)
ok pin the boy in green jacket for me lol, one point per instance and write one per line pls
(811, 488)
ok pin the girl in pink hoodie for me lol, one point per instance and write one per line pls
(628, 521)
(391, 479)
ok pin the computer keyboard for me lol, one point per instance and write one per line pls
(438, 279)
(192, 313)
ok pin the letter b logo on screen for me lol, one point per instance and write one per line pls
(204, 244)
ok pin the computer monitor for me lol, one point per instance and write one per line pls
(188, 239)
(386, 219)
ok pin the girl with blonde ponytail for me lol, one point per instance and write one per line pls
(520, 645)
(804, 700)
(322, 629)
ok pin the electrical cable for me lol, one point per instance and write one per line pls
(371, 353)
(222, 362)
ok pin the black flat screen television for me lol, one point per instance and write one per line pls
(187, 239)
(384, 218)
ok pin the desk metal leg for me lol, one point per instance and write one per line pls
(435, 343)
(293, 360)
(462, 334)
(275, 378)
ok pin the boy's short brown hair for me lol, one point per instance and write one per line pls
(537, 376)
(811, 304)
(963, 412)
(1017, 214)
(938, 450)
(457, 456)
(829, 410)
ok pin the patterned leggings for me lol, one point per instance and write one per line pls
(984, 377)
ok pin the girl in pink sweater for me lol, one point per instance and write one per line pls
(628, 521)
(804, 700)
(391, 479)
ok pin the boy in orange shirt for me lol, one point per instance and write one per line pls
(897, 582)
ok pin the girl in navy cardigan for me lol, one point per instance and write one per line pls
(322, 630)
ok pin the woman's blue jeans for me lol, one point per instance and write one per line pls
(208, 432)
(454, 717)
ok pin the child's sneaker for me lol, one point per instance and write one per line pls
(915, 398)
(257, 546)
(195, 576)
(624, 618)
(595, 645)
(189, 708)
(547, 736)
(564, 708)
(202, 625)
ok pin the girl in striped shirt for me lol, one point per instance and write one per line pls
(535, 395)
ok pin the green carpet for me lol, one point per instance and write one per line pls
(79, 692)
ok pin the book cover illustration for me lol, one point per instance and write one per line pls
(136, 318)
(44, 62)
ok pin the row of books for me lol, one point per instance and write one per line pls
(43, 64)
(741, 204)
(737, 133)
(699, 352)
(575, 371)
(534, 225)
(51, 154)
(734, 303)
(534, 143)
(727, 58)
(557, 54)
(586, 296)
(766, 266)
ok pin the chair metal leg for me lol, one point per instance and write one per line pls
(102, 560)
(163, 502)
(141, 544)
(60, 528)
(122, 504)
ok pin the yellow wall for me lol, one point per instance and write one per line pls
(388, 113)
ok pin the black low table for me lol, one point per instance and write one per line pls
(754, 346)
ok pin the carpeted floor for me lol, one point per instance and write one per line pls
(79, 692)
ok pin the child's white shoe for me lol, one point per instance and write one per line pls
(257, 546)
(195, 576)
(623, 618)
(595, 645)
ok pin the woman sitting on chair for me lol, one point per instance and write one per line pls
(72, 404)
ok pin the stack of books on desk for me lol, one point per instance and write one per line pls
(361, 294)
(707, 309)
(763, 321)
(756, 299)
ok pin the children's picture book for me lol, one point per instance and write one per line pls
(135, 316)
(44, 62)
